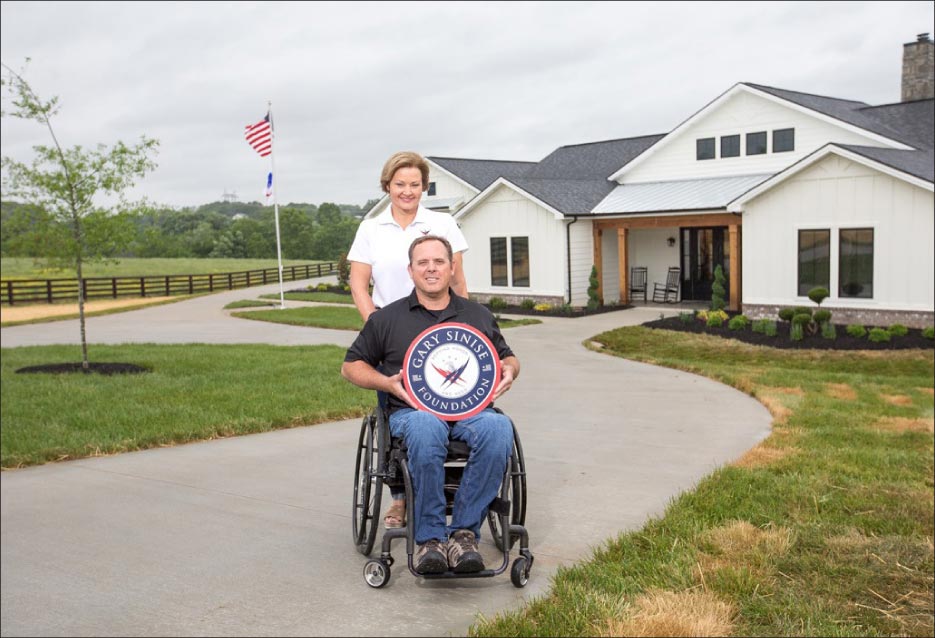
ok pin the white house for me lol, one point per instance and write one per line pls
(785, 190)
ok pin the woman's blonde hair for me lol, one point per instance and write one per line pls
(404, 159)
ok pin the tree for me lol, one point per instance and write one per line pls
(62, 183)
(718, 291)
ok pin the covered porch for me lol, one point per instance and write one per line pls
(693, 242)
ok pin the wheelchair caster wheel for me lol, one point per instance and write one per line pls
(376, 573)
(520, 573)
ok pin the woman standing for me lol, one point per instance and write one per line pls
(380, 253)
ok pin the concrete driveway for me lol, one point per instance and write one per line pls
(251, 535)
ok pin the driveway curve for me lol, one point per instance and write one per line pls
(251, 535)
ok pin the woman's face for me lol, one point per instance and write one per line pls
(406, 189)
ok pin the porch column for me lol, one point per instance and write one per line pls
(598, 260)
(734, 231)
(622, 261)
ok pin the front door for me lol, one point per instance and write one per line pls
(702, 250)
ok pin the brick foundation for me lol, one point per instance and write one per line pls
(863, 316)
(516, 300)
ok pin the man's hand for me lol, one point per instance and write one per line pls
(395, 387)
(507, 376)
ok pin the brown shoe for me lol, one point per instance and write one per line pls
(430, 559)
(462, 553)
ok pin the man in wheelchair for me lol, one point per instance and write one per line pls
(385, 339)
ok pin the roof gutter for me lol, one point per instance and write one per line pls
(568, 253)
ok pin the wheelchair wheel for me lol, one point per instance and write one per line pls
(368, 487)
(516, 494)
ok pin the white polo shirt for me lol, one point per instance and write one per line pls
(383, 245)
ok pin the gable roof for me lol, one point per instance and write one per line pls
(882, 120)
(881, 159)
(481, 173)
(593, 160)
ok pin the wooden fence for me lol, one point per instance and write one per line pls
(20, 291)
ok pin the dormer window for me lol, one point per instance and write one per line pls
(756, 143)
(783, 140)
(704, 148)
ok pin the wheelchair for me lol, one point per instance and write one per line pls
(382, 461)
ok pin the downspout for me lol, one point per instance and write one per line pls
(568, 254)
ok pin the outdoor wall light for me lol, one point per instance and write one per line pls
(671, 241)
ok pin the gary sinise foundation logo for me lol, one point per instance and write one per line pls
(451, 370)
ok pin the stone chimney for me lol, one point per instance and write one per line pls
(919, 69)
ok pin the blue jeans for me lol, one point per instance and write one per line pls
(490, 436)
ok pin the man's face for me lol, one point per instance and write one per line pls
(430, 268)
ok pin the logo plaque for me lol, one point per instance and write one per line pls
(451, 370)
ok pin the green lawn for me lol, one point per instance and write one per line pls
(825, 529)
(27, 268)
(193, 392)
(334, 317)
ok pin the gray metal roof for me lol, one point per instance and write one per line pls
(689, 194)
(919, 164)
(481, 173)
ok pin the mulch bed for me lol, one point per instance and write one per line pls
(844, 341)
(96, 368)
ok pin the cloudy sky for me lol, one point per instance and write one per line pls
(351, 83)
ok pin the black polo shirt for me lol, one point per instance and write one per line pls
(390, 331)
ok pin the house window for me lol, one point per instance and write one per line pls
(756, 143)
(783, 140)
(855, 263)
(519, 247)
(705, 148)
(518, 258)
(730, 146)
(431, 190)
(498, 269)
(814, 260)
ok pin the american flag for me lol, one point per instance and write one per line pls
(260, 136)
(269, 187)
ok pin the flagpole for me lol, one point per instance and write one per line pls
(272, 160)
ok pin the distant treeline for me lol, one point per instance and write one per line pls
(220, 229)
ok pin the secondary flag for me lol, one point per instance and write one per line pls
(260, 136)
(269, 187)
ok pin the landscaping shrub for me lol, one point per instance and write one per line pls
(828, 331)
(686, 317)
(822, 316)
(759, 326)
(802, 310)
(594, 302)
(818, 294)
(715, 320)
(497, 303)
(704, 315)
(796, 332)
(802, 319)
(898, 330)
(929, 333)
(856, 330)
(566, 309)
(717, 289)
(879, 335)
(322, 287)
(786, 314)
(528, 304)
(542, 307)
(344, 271)
(769, 328)
(738, 323)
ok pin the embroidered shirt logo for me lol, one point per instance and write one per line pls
(451, 370)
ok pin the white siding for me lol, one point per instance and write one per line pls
(837, 193)
(446, 186)
(740, 114)
(581, 242)
(506, 213)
